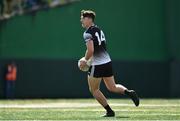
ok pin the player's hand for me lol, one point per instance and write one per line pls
(83, 64)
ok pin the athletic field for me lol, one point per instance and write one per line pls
(89, 110)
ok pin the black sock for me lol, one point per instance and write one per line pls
(108, 108)
(126, 92)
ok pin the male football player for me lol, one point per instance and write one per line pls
(101, 67)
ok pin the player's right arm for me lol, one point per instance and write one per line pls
(89, 53)
(89, 50)
(89, 44)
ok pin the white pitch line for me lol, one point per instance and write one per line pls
(79, 105)
(114, 119)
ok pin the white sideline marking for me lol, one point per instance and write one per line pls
(78, 105)
(114, 119)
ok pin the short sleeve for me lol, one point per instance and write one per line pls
(87, 36)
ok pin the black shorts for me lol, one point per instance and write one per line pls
(104, 70)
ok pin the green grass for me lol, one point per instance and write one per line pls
(89, 109)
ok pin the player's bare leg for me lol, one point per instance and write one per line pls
(117, 88)
(94, 84)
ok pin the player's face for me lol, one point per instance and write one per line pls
(86, 22)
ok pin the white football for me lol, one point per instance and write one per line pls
(86, 68)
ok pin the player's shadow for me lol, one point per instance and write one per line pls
(124, 117)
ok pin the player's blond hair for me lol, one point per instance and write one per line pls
(88, 13)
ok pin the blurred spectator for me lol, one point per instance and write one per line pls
(8, 8)
(54, 3)
(18, 7)
(43, 3)
(1, 9)
(31, 4)
(11, 75)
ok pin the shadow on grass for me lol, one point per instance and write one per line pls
(122, 117)
(117, 117)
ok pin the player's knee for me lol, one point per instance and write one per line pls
(112, 88)
(95, 93)
(93, 90)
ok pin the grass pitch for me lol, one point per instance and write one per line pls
(89, 110)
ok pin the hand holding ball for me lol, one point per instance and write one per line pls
(84, 64)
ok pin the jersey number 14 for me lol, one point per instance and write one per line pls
(100, 37)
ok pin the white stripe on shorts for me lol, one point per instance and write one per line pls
(92, 71)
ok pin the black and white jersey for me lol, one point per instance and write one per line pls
(100, 55)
